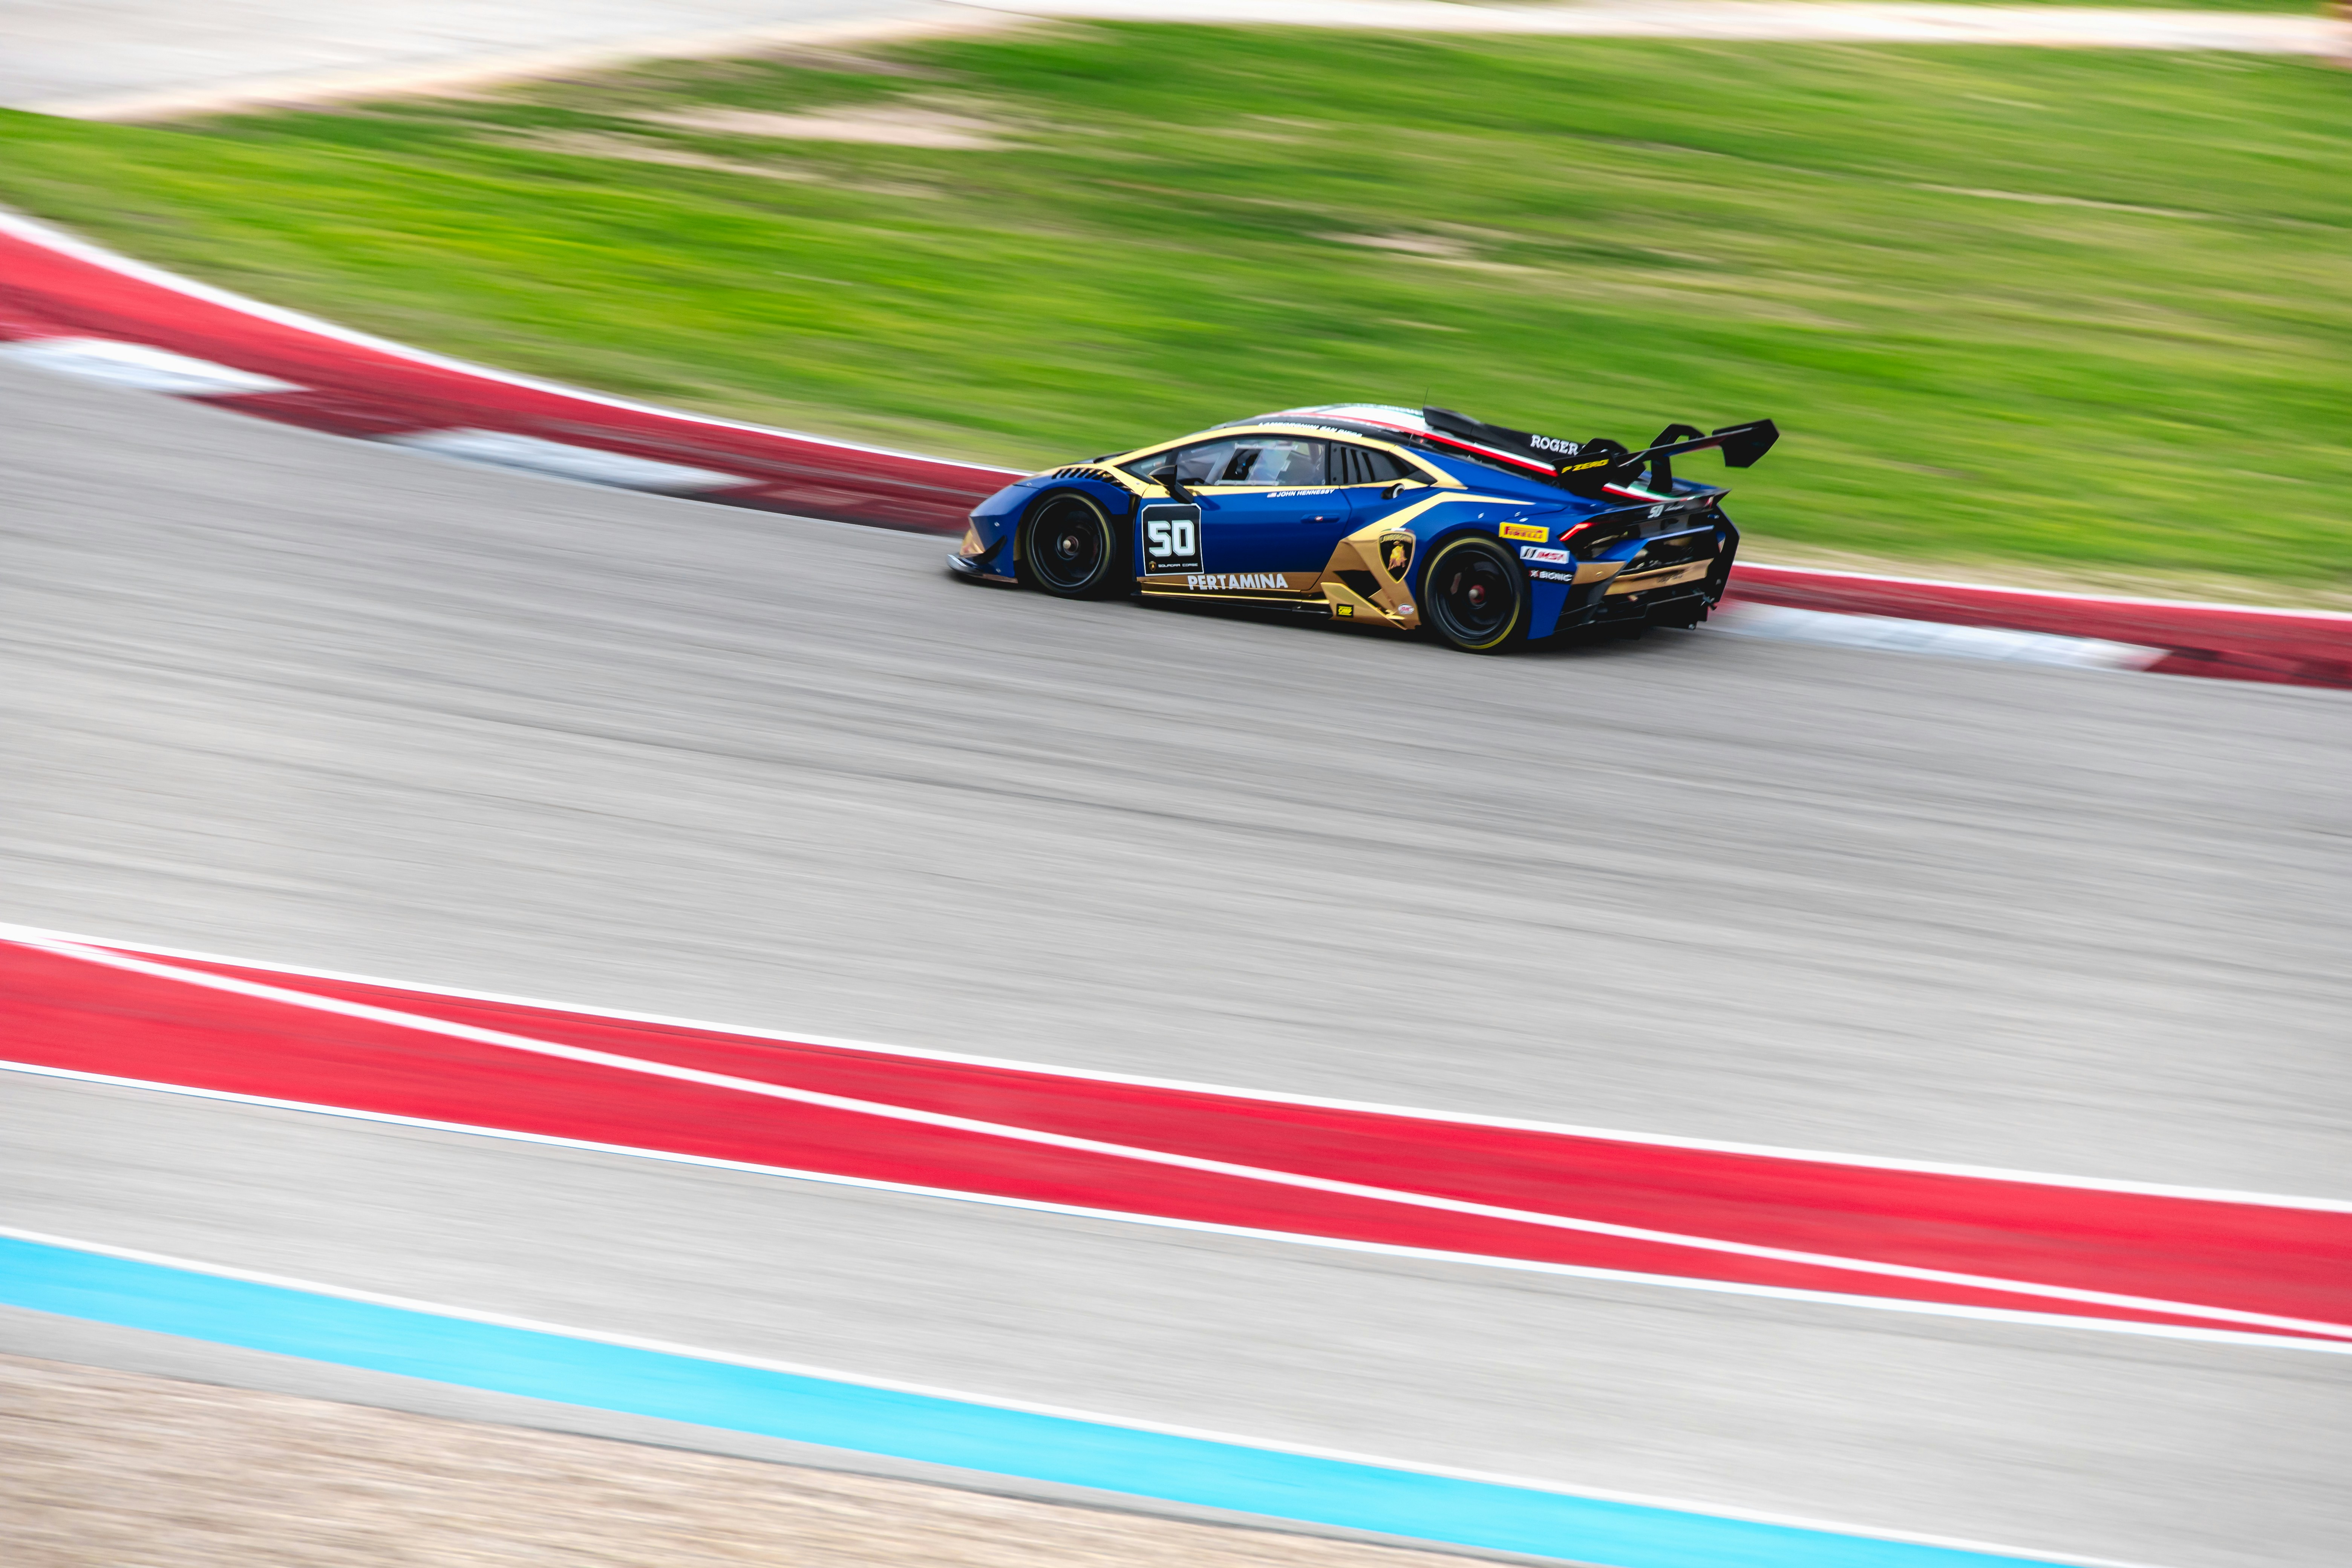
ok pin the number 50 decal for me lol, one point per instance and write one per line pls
(1171, 538)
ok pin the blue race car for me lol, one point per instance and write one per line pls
(1489, 537)
(1379, 516)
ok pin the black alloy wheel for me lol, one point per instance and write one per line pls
(1473, 596)
(1070, 547)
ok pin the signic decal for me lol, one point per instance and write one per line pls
(1553, 576)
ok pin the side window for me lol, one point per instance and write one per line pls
(1362, 466)
(1275, 462)
(1278, 462)
(1203, 463)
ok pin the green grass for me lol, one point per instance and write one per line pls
(2073, 315)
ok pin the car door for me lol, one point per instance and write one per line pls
(1264, 502)
(1370, 479)
(1378, 485)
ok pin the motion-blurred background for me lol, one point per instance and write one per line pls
(2076, 318)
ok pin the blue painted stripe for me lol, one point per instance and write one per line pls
(969, 1436)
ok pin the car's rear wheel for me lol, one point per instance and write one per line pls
(1071, 547)
(1473, 596)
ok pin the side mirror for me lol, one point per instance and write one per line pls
(1398, 487)
(1166, 479)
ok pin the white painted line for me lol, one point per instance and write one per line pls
(34, 231)
(1031, 1407)
(883, 1112)
(1890, 634)
(36, 934)
(595, 466)
(139, 365)
(1212, 1228)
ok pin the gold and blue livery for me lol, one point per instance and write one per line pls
(1487, 536)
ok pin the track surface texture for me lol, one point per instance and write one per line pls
(267, 694)
(112, 56)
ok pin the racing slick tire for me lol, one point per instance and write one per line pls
(1473, 596)
(1070, 547)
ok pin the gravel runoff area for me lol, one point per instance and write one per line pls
(102, 1468)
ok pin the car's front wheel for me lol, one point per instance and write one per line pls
(1473, 596)
(1070, 546)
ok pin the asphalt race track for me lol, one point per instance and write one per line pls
(276, 695)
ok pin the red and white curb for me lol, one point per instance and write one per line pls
(69, 306)
(1467, 1191)
(2170, 636)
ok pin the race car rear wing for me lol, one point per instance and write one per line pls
(1741, 445)
(1586, 467)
